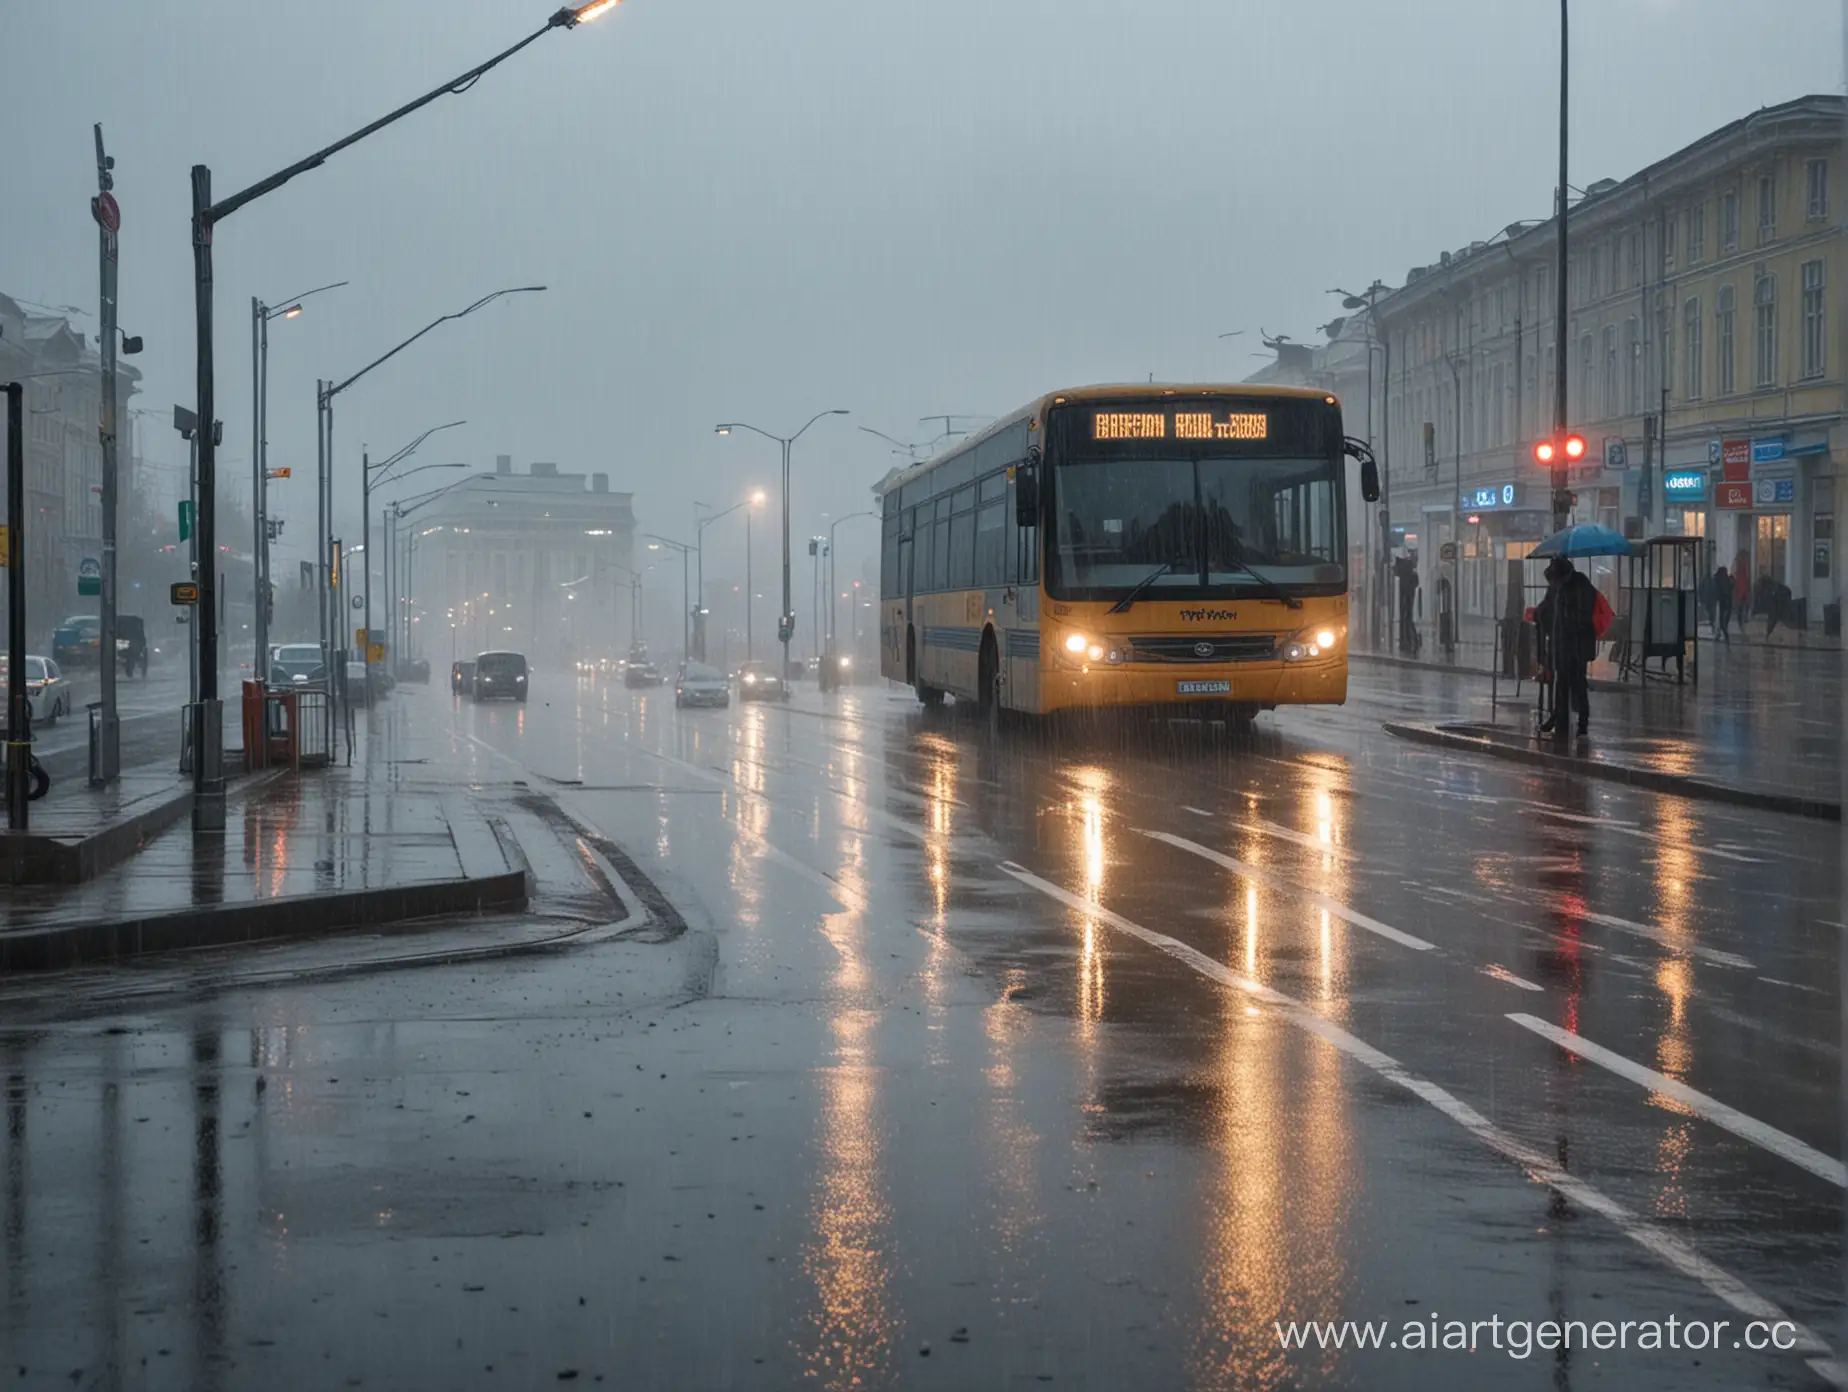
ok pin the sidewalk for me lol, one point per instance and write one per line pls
(1763, 729)
(319, 851)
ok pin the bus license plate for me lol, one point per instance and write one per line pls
(1203, 688)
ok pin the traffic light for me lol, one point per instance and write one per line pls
(785, 628)
(1567, 450)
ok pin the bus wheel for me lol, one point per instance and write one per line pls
(911, 655)
(929, 696)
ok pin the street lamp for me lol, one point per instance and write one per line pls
(260, 316)
(786, 623)
(366, 470)
(1380, 612)
(208, 780)
(699, 538)
(832, 587)
(655, 543)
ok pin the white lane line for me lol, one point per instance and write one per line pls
(1748, 1128)
(1664, 1245)
(1606, 824)
(1795, 986)
(1261, 827)
(1321, 901)
(1501, 973)
(1668, 940)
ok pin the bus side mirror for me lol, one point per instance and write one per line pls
(1369, 468)
(1026, 496)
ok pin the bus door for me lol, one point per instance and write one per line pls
(905, 657)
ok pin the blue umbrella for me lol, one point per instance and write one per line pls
(1586, 539)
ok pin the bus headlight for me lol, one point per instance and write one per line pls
(1310, 644)
(1325, 639)
(1076, 642)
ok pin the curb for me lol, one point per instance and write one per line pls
(27, 858)
(83, 944)
(1681, 785)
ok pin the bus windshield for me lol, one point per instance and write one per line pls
(1207, 517)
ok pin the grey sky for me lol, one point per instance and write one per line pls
(759, 210)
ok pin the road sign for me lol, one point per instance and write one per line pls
(6, 554)
(375, 652)
(1713, 451)
(279, 473)
(186, 518)
(359, 638)
(89, 576)
(359, 601)
(183, 592)
(107, 211)
(1616, 452)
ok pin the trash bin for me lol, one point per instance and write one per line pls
(96, 742)
(1832, 620)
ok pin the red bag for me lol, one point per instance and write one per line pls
(1602, 615)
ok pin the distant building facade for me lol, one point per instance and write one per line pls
(1702, 357)
(540, 562)
(64, 455)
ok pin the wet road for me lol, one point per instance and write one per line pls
(1075, 1061)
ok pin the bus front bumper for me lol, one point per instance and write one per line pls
(1265, 684)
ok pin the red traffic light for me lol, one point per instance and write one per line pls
(1575, 447)
(1543, 451)
(1571, 448)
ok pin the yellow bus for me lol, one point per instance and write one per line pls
(1121, 546)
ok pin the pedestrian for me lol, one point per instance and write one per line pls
(1742, 587)
(1773, 602)
(1723, 602)
(1566, 620)
(1406, 570)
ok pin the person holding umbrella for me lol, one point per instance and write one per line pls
(1567, 622)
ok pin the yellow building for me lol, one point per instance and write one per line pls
(1702, 291)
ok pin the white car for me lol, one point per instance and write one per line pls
(699, 685)
(48, 691)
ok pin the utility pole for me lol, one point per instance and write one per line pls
(18, 745)
(1561, 496)
(108, 220)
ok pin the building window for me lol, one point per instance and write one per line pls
(1498, 393)
(1697, 233)
(1595, 274)
(1587, 379)
(1690, 347)
(1816, 190)
(1767, 208)
(1611, 404)
(1668, 239)
(1723, 322)
(1764, 331)
(1636, 257)
(1667, 344)
(1729, 221)
(1633, 356)
(1815, 340)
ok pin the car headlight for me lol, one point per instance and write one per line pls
(846, 662)
(750, 679)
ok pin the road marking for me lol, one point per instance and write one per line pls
(1668, 940)
(1663, 1245)
(1747, 1128)
(1321, 901)
(1501, 973)
(1623, 829)
(1795, 986)
(1282, 833)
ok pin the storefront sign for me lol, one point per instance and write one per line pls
(1480, 498)
(1616, 452)
(1768, 451)
(1732, 493)
(1735, 459)
(1685, 485)
(1772, 491)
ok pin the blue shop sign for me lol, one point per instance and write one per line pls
(1480, 499)
(1768, 451)
(1685, 485)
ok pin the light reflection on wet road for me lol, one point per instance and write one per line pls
(925, 1104)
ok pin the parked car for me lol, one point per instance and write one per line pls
(643, 673)
(500, 674)
(131, 644)
(462, 678)
(413, 669)
(79, 639)
(759, 682)
(295, 664)
(700, 685)
(48, 691)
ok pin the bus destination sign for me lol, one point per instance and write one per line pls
(1180, 424)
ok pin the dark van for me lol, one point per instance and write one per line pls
(500, 674)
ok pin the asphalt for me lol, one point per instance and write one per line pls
(1070, 1058)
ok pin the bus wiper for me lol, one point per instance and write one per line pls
(1271, 587)
(1142, 586)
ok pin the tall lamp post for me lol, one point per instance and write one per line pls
(366, 471)
(699, 541)
(208, 781)
(655, 543)
(786, 622)
(260, 316)
(1369, 301)
(833, 590)
(325, 392)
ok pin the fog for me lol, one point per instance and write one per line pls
(758, 211)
